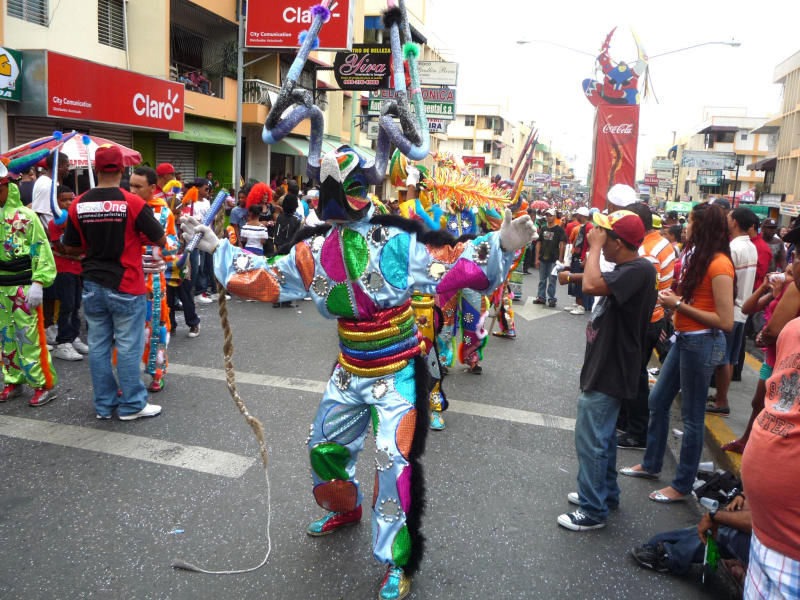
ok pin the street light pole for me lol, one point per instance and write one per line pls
(732, 44)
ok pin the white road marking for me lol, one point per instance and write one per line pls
(456, 406)
(195, 458)
(530, 311)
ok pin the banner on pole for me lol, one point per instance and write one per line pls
(616, 138)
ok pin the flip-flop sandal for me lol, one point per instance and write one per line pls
(631, 472)
(662, 499)
(736, 446)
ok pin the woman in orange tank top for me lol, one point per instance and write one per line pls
(703, 310)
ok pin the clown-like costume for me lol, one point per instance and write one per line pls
(463, 337)
(26, 266)
(157, 326)
(362, 270)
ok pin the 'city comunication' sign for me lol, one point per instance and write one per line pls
(277, 24)
(80, 89)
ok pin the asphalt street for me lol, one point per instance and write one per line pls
(99, 509)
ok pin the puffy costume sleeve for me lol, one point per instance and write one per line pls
(43, 265)
(251, 276)
(478, 264)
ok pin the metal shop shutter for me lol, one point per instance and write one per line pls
(181, 155)
(115, 134)
(28, 129)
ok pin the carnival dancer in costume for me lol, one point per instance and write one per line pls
(463, 336)
(26, 267)
(362, 269)
(427, 314)
(155, 263)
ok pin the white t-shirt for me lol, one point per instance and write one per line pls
(745, 259)
(201, 207)
(253, 236)
(41, 199)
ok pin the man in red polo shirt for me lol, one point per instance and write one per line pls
(107, 224)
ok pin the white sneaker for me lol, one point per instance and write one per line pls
(578, 310)
(569, 307)
(203, 299)
(80, 346)
(51, 333)
(65, 351)
(149, 410)
(50, 347)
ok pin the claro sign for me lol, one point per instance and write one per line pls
(79, 89)
(277, 24)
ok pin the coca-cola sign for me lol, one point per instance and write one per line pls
(621, 131)
(365, 67)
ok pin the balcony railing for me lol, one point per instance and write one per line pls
(255, 91)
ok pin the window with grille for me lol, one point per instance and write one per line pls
(111, 23)
(487, 146)
(469, 120)
(33, 11)
(467, 144)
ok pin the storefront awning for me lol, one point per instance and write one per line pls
(205, 132)
(298, 146)
(719, 129)
(765, 164)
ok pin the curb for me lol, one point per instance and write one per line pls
(718, 433)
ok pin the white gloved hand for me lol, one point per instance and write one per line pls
(516, 234)
(413, 175)
(34, 296)
(190, 226)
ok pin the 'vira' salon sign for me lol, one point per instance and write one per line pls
(365, 67)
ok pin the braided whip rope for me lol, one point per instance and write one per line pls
(255, 424)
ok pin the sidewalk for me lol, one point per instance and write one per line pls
(721, 430)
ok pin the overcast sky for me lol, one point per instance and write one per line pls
(543, 82)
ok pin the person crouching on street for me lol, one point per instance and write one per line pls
(614, 339)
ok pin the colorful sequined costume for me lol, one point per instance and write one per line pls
(463, 337)
(362, 270)
(502, 301)
(429, 321)
(25, 257)
(157, 326)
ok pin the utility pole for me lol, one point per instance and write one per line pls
(237, 153)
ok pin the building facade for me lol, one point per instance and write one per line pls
(124, 46)
(787, 170)
(726, 133)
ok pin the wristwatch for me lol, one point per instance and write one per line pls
(712, 514)
(677, 304)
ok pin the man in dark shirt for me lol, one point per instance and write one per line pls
(108, 224)
(768, 230)
(614, 339)
(552, 242)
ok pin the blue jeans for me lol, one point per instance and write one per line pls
(198, 277)
(116, 320)
(687, 369)
(684, 547)
(596, 446)
(547, 280)
(68, 291)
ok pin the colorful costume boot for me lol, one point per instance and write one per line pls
(157, 384)
(396, 585)
(11, 391)
(333, 521)
(437, 420)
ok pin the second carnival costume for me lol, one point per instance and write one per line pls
(363, 269)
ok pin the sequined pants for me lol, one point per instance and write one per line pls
(337, 437)
(25, 355)
(157, 326)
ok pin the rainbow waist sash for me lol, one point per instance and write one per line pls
(383, 345)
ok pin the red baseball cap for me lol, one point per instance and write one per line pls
(108, 158)
(625, 224)
(164, 169)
